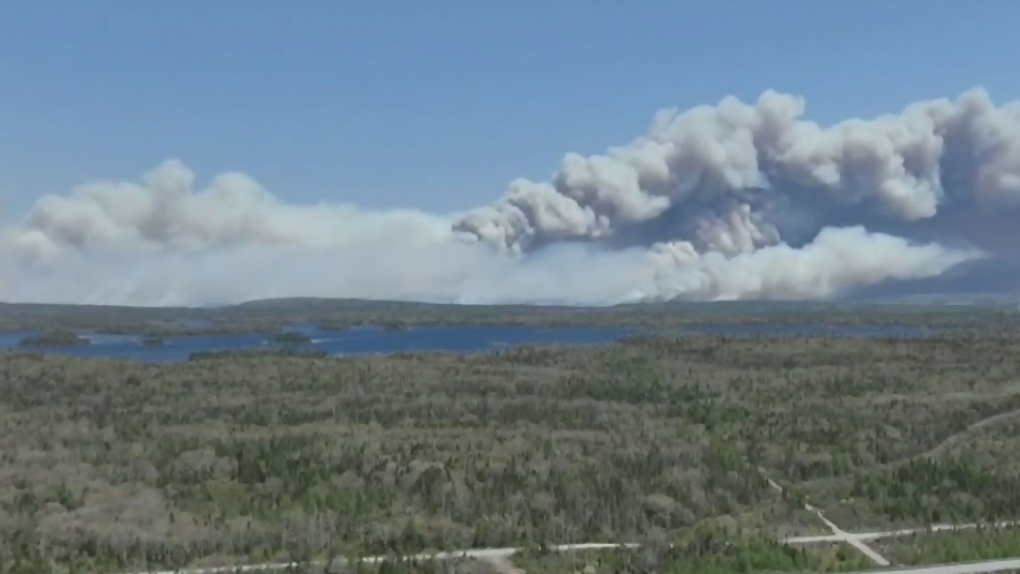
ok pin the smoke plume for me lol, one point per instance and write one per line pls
(731, 201)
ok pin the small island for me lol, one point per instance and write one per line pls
(54, 339)
(235, 354)
(335, 325)
(152, 341)
(290, 338)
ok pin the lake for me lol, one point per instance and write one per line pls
(374, 340)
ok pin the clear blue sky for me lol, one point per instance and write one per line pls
(439, 104)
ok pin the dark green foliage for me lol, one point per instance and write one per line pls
(950, 491)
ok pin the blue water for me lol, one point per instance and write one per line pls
(356, 341)
(372, 340)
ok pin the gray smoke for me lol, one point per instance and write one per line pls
(716, 174)
(731, 201)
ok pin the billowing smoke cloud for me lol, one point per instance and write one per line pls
(719, 175)
(731, 201)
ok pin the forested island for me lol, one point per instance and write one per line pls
(290, 338)
(54, 339)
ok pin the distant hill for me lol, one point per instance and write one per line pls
(271, 315)
(291, 303)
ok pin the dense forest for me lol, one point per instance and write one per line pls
(115, 466)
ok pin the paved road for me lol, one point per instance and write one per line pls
(501, 553)
(969, 568)
(855, 539)
(504, 553)
(479, 553)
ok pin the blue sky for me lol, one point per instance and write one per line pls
(438, 105)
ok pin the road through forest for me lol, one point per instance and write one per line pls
(858, 540)
(502, 554)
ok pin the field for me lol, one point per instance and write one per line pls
(116, 467)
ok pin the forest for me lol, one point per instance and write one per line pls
(667, 441)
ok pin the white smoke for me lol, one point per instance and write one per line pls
(731, 201)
